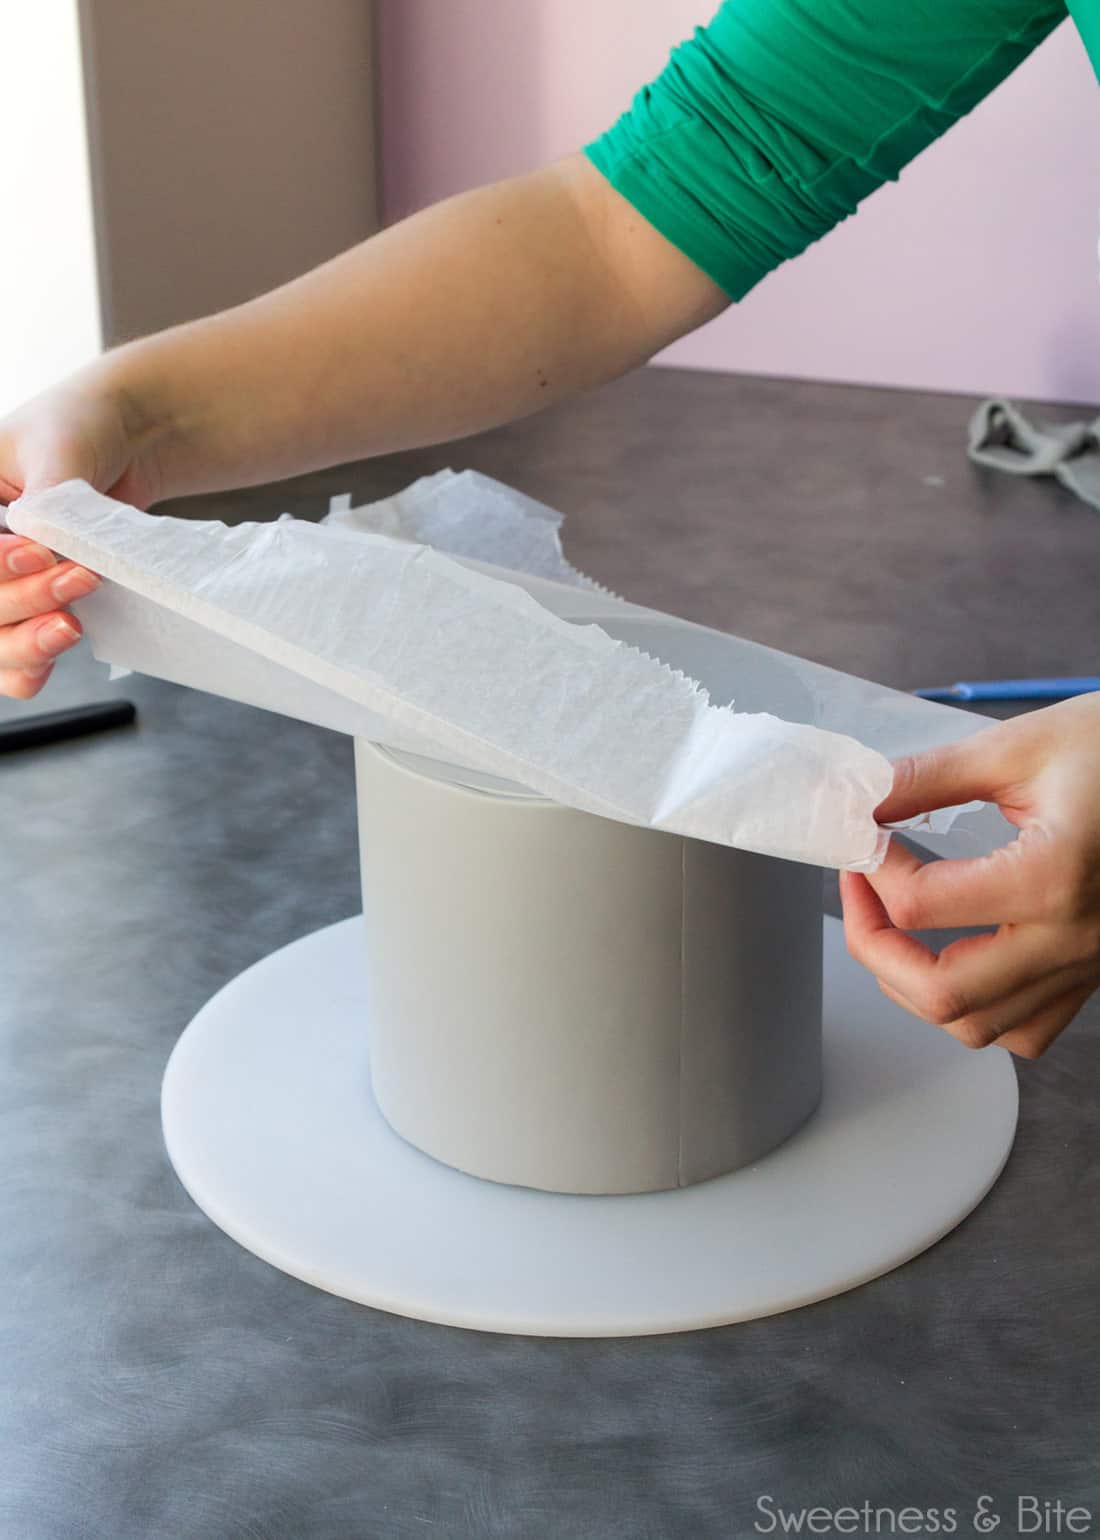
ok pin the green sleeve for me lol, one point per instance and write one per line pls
(1086, 13)
(772, 123)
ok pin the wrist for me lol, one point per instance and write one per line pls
(134, 382)
(165, 394)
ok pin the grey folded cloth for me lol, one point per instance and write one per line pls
(1002, 438)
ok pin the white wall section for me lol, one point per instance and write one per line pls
(49, 312)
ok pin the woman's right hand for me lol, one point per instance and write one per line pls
(82, 428)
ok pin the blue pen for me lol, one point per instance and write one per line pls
(1012, 689)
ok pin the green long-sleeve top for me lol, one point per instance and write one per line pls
(774, 121)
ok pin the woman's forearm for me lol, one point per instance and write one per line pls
(476, 311)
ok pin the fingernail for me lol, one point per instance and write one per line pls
(26, 559)
(56, 635)
(74, 584)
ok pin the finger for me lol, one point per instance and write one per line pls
(23, 598)
(1017, 1010)
(23, 683)
(985, 767)
(869, 932)
(1004, 887)
(899, 999)
(980, 1028)
(964, 977)
(19, 556)
(1030, 1040)
(954, 772)
(37, 641)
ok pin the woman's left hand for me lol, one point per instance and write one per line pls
(1022, 984)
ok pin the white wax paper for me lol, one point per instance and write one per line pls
(394, 641)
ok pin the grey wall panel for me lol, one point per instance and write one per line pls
(232, 146)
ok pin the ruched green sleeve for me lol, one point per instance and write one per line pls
(1086, 13)
(771, 124)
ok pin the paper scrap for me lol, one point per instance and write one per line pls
(468, 514)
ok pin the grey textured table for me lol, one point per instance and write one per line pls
(159, 1383)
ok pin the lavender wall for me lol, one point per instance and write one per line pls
(978, 272)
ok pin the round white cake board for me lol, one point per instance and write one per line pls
(270, 1125)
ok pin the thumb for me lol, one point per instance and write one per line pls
(47, 465)
(969, 770)
(38, 469)
(53, 438)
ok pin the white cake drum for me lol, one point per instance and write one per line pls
(565, 1002)
(270, 1124)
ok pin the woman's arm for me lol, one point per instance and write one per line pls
(478, 310)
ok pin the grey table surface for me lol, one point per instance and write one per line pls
(159, 1382)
